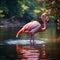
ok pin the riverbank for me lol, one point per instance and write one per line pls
(11, 24)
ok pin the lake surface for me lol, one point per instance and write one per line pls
(46, 43)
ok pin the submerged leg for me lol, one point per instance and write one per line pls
(32, 40)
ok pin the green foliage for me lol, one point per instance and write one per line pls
(55, 7)
(1, 15)
(26, 9)
(13, 6)
(2, 8)
(30, 8)
(19, 8)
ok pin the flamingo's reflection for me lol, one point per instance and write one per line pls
(28, 53)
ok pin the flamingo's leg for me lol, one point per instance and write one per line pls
(35, 29)
(32, 40)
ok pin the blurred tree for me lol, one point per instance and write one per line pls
(26, 9)
(1, 15)
(31, 9)
(54, 6)
(14, 8)
(3, 8)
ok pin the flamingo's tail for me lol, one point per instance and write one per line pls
(19, 32)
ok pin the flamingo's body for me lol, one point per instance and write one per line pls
(33, 27)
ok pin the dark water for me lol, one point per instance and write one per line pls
(47, 45)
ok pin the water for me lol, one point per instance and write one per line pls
(47, 45)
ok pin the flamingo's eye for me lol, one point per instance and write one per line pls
(47, 18)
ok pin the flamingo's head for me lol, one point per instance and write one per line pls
(45, 17)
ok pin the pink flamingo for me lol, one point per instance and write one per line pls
(33, 27)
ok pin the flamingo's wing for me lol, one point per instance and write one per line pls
(32, 27)
(35, 29)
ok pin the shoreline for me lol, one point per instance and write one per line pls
(11, 24)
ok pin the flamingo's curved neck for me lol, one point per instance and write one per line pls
(45, 25)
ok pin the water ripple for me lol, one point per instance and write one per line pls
(25, 42)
